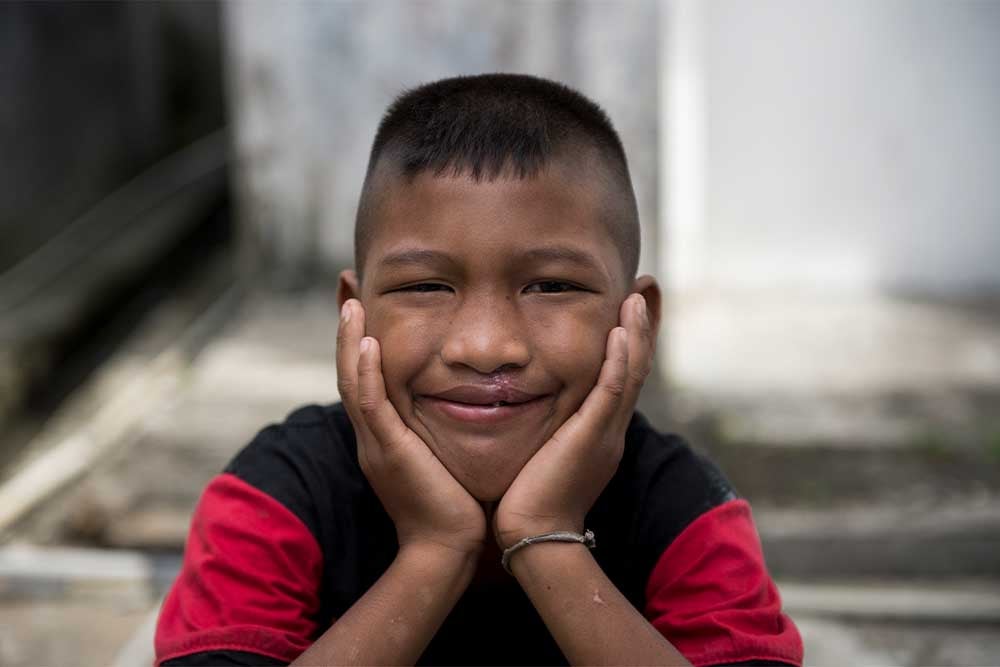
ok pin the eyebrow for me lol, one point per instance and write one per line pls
(423, 257)
(416, 256)
(562, 254)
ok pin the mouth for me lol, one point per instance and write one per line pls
(485, 405)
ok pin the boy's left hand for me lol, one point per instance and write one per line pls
(560, 483)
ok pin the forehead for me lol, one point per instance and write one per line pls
(556, 214)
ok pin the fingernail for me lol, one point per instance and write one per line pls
(366, 344)
(640, 306)
(345, 312)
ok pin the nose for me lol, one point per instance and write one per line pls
(487, 335)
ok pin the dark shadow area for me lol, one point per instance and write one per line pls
(115, 184)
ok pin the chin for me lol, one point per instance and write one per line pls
(487, 489)
(485, 467)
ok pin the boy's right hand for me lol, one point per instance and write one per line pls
(428, 506)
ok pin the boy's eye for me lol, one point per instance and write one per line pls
(551, 287)
(423, 287)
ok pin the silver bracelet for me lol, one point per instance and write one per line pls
(587, 539)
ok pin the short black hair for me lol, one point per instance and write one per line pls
(489, 126)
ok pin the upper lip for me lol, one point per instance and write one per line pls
(484, 395)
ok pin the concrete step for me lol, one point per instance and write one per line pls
(71, 606)
(968, 601)
(810, 466)
(823, 475)
(103, 417)
(37, 633)
(791, 367)
(272, 355)
(835, 643)
(893, 541)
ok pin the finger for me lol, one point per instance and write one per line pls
(601, 406)
(640, 347)
(606, 396)
(378, 413)
(349, 334)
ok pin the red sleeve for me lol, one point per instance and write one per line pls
(711, 596)
(249, 581)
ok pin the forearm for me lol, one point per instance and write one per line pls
(393, 622)
(593, 623)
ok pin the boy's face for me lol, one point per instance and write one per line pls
(488, 292)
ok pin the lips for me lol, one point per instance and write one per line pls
(478, 404)
(484, 395)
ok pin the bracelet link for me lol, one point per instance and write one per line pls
(587, 539)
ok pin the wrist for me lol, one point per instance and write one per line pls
(544, 557)
(450, 561)
(508, 536)
(586, 538)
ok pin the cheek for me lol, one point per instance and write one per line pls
(407, 346)
(573, 348)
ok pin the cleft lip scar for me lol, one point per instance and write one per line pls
(485, 395)
(495, 404)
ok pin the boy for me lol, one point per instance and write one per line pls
(492, 344)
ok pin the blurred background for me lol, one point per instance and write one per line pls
(817, 186)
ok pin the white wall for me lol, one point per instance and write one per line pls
(849, 145)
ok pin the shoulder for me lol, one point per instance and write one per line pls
(672, 484)
(302, 461)
(270, 536)
(711, 595)
(706, 586)
(308, 464)
(314, 434)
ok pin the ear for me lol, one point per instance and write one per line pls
(647, 286)
(348, 287)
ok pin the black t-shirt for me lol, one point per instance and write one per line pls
(291, 535)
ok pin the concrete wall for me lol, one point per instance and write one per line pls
(847, 145)
(309, 82)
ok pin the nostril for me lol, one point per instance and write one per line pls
(484, 347)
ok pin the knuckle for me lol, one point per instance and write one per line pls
(638, 375)
(346, 387)
(615, 388)
(368, 405)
